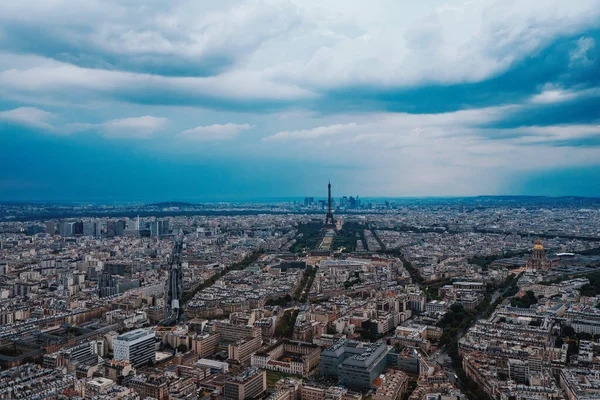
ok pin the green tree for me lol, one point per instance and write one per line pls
(182, 348)
(573, 347)
(285, 327)
(568, 331)
(526, 301)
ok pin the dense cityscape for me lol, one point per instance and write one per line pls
(299, 200)
(340, 298)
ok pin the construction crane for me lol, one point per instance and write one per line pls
(174, 285)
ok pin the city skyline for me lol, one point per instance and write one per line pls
(300, 199)
(377, 200)
(239, 100)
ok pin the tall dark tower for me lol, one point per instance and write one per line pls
(329, 217)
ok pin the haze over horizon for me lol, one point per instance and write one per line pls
(294, 199)
(119, 100)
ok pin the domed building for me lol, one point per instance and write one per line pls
(538, 259)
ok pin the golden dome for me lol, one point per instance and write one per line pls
(538, 245)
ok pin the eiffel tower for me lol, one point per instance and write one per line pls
(329, 217)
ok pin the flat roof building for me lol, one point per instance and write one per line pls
(136, 347)
(213, 365)
(393, 386)
(356, 364)
(249, 384)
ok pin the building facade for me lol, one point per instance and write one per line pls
(136, 347)
(288, 357)
(155, 387)
(538, 259)
(251, 383)
(356, 364)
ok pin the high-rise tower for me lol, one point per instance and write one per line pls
(329, 216)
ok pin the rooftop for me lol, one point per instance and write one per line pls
(134, 335)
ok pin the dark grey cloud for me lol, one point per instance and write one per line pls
(175, 38)
(551, 65)
(75, 48)
(577, 111)
(579, 142)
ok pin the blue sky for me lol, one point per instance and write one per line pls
(198, 100)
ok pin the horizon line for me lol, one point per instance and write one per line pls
(279, 199)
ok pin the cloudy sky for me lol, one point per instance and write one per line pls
(208, 100)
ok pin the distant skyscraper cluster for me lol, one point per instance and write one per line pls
(115, 228)
(104, 228)
(159, 227)
(344, 203)
(350, 202)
